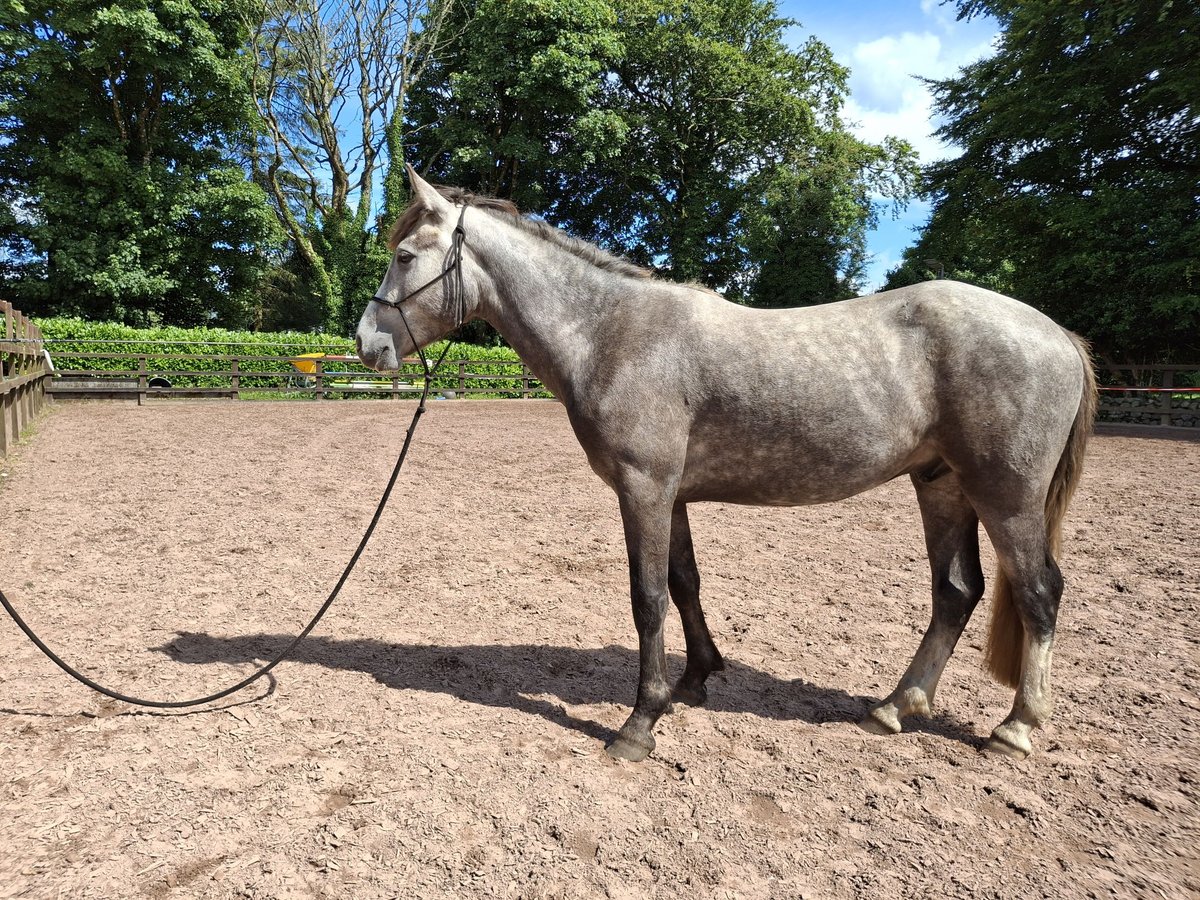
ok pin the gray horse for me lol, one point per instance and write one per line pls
(679, 396)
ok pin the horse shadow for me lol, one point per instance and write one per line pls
(522, 677)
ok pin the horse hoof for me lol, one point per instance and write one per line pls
(881, 720)
(688, 695)
(626, 749)
(1013, 746)
(1001, 747)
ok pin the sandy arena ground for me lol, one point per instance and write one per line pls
(441, 734)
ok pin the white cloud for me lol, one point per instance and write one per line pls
(944, 14)
(886, 97)
(881, 70)
(876, 269)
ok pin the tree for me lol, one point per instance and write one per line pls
(685, 135)
(807, 237)
(1077, 185)
(121, 193)
(739, 155)
(511, 107)
(330, 83)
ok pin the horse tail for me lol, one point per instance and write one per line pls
(1070, 466)
(1006, 636)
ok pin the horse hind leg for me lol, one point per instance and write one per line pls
(1027, 537)
(952, 541)
(683, 579)
(1031, 584)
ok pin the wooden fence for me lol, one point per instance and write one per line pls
(23, 371)
(1159, 400)
(142, 375)
(1156, 400)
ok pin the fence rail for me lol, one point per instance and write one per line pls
(228, 375)
(23, 372)
(1146, 395)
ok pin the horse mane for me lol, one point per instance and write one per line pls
(506, 211)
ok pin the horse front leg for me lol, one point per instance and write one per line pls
(646, 514)
(683, 579)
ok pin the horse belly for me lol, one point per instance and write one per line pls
(795, 472)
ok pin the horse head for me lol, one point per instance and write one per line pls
(428, 290)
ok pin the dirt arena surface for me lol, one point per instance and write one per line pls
(441, 734)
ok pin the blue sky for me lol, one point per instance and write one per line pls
(885, 43)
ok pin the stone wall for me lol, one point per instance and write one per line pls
(1147, 409)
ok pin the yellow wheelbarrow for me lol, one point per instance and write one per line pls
(347, 382)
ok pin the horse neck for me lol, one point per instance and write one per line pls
(550, 305)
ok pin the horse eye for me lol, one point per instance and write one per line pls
(404, 257)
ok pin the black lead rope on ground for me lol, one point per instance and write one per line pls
(246, 682)
(452, 275)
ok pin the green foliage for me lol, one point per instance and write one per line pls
(807, 237)
(685, 135)
(328, 81)
(120, 189)
(289, 298)
(62, 331)
(359, 262)
(735, 145)
(334, 266)
(74, 345)
(514, 98)
(69, 337)
(1076, 189)
(492, 380)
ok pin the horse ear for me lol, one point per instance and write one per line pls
(426, 194)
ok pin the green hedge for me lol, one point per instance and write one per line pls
(74, 343)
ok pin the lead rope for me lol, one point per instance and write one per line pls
(245, 682)
(454, 271)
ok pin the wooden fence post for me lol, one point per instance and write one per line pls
(235, 380)
(16, 369)
(23, 373)
(39, 386)
(462, 378)
(28, 365)
(26, 393)
(142, 380)
(320, 381)
(19, 413)
(3, 425)
(13, 402)
(8, 435)
(1168, 382)
(524, 382)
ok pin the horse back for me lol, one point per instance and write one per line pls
(818, 403)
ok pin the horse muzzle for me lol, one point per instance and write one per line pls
(376, 351)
